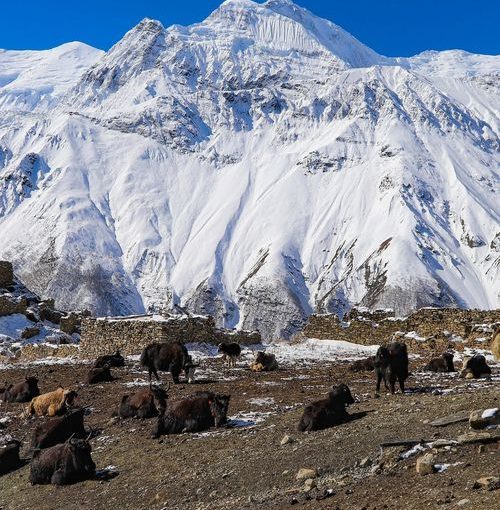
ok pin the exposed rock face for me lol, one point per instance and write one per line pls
(258, 166)
(6, 274)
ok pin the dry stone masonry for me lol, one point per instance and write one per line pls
(131, 334)
(436, 325)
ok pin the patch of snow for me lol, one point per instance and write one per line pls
(489, 413)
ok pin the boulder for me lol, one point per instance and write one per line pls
(30, 332)
(478, 437)
(481, 419)
(490, 483)
(425, 464)
(305, 473)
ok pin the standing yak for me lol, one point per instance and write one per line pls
(168, 357)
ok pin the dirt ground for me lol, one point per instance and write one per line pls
(245, 466)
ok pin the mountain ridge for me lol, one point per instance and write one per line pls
(193, 165)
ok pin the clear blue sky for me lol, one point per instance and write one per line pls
(391, 27)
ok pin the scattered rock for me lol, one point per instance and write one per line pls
(450, 419)
(478, 437)
(287, 440)
(442, 443)
(30, 332)
(305, 473)
(309, 484)
(481, 419)
(366, 462)
(463, 502)
(490, 483)
(425, 464)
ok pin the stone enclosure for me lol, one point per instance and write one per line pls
(436, 325)
(131, 334)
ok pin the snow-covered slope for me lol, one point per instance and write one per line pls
(260, 165)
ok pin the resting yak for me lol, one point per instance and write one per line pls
(169, 357)
(9, 456)
(144, 403)
(330, 411)
(200, 411)
(63, 464)
(112, 360)
(51, 404)
(475, 367)
(21, 392)
(443, 363)
(60, 429)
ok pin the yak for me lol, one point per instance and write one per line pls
(51, 404)
(100, 374)
(443, 363)
(144, 403)
(264, 362)
(63, 464)
(391, 364)
(9, 456)
(475, 367)
(330, 411)
(194, 413)
(230, 352)
(60, 429)
(169, 357)
(363, 365)
(112, 360)
(21, 392)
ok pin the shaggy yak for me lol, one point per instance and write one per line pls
(264, 362)
(330, 411)
(51, 404)
(363, 365)
(113, 360)
(98, 375)
(168, 357)
(60, 429)
(391, 363)
(144, 403)
(230, 352)
(9, 456)
(195, 413)
(475, 367)
(63, 464)
(443, 363)
(21, 392)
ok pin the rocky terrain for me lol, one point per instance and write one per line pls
(260, 460)
(256, 166)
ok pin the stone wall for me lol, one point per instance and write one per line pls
(437, 325)
(131, 334)
(6, 274)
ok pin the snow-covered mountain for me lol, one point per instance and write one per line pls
(260, 165)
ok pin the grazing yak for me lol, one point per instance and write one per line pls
(363, 365)
(144, 403)
(330, 411)
(443, 363)
(195, 413)
(230, 352)
(9, 455)
(168, 357)
(391, 364)
(99, 374)
(51, 404)
(112, 360)
(264, 362)
(60, 429)
(21, 392)
(495, 344)
(475, 367)
(63, 464)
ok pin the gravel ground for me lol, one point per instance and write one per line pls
(245, 465)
